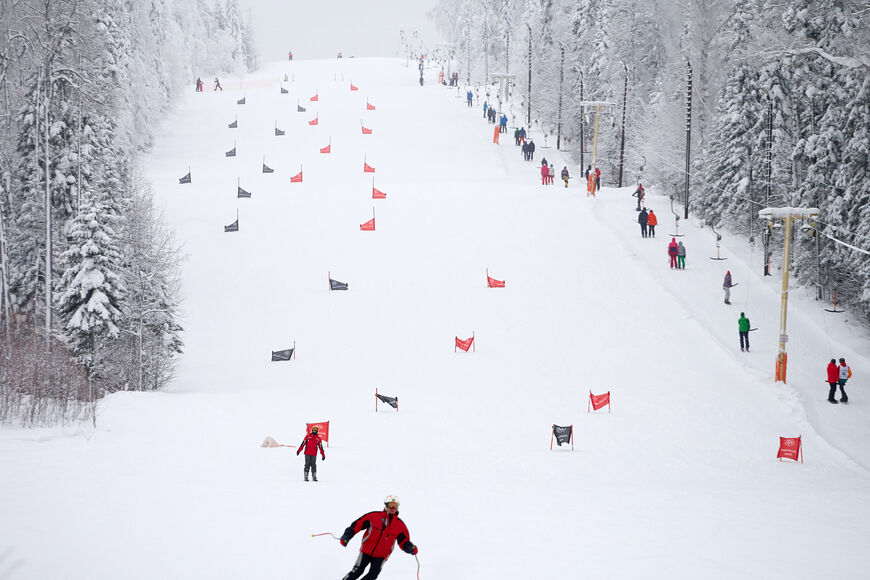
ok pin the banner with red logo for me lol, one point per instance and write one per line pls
(322, 430)
(464, 344)
(790, 448)
(599, 401)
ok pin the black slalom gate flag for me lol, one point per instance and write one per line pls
(267, 169)
(234, 124)
(231, 152)
(391, 401)
(185, 179)
(278, 132)
(300, 109)
(562, 434)
(282, 354)
(336, 285)
(243, 193)
(241, 101)
(233, 227)
(284, 91)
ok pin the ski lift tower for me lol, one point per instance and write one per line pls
(504, 81)
(787, 215)
(449, 49)
(409, 40)
(598, 105)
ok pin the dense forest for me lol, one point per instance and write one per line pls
(89, 296)
(779, 108)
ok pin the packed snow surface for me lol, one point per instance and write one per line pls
(679, 480)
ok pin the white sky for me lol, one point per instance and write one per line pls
(322, 29)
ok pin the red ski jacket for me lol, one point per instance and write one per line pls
(382, 531)
(833, 373)
(311, 444)
(673, 248)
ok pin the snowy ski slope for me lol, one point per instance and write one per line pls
(680, 480)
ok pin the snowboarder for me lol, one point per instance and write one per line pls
(673, 249)
(639, 194)
(382, 530)
(198, 85)
(545, 174)
(565, 176)
(643, 220)
(681, 256)
(845, 375)
(743, 329)
(652, 221)
(217, 84)
(311, 444)
(726, 285)
(833, 380)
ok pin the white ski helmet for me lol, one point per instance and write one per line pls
(391, 499)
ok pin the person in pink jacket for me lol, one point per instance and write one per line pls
(673, 250)
(545, 174)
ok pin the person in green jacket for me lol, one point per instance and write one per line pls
(743, 327)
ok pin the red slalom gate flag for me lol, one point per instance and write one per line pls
(378, 194)
(314, 98)
(353, 88)
(296, 178)
(322, 430)
(368, 168)
(599, 401)
(313, 121)
(369, 226)
(366, 131)
(790, 448)
(327, 149)
(492, 282)
(464, 344)
(369, 106)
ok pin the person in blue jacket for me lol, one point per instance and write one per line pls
(469, 96)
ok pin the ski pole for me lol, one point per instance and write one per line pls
(326, 534)
(418, 566)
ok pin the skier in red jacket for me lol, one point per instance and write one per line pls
(673, 250)
(383, 529)
(833, 380)
(311, 444)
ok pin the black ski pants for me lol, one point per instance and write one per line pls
(744, 336)
(311, 463)
(833, 392)
(362, 561)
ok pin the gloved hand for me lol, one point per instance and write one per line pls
(410, 548)
(323, 457)
(415, 550)
(343, 542)
(297, 454)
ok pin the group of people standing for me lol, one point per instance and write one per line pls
(838, 374)
(648, 222)
(199, 85)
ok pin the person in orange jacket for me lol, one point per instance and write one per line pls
(651, 222)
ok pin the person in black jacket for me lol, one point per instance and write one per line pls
(642, 220)
(531, 150)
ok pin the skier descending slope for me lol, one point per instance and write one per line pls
(311, 444)
(382, 530)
